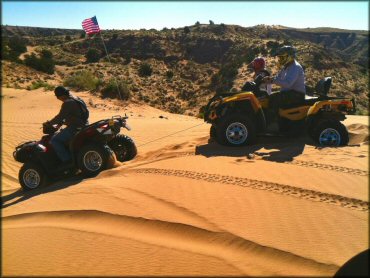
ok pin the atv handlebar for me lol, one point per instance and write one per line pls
(121, 120)
(48, 128)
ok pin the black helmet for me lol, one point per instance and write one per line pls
(61, 91)
(286, 54)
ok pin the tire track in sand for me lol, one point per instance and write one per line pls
(341, 169)
(309, 164)
(316, 196)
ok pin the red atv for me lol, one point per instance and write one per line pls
(92, 148)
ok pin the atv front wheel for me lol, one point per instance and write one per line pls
(236, 130)
(331, 133)
(123, 147)
(94, 158)
(32, 176)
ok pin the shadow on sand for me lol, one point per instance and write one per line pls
(271, 148)
(20, 195)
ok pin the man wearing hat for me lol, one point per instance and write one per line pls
(74, 114)
(291, 79)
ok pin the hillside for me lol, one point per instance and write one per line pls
(190, 64)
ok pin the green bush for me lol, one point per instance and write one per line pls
(145, 70)
(82, 80)
(45, 63)
(11, 48)
(17, 44)
(169, 74)
(223, 80)
(110, 90)
(201, 112)
(186, 30)
(92, 55)
(176, 108)
(39, 84)
(127, 60)
(362, 111)
(31, 60)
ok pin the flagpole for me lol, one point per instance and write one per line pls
(106, 51)
(91, 26)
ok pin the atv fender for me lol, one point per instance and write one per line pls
(313, 120)
(246, 107)
(333, 105)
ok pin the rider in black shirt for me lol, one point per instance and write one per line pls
(74, 114)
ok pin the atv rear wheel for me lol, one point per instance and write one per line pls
(123, 147)
(236, 130)
(331, 133)
(32, 176)
(94, 158)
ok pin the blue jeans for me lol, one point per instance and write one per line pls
(59, 140)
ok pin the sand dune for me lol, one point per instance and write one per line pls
(185, 205)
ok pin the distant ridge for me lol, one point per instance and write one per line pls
(191, 63)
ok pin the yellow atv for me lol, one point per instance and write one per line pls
(238, 118)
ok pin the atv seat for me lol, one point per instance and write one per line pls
(323, 86)
(79, 132)
(308, 100)
(82, 129)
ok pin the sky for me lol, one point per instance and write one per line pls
(351, 15)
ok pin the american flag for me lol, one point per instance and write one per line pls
(91, 26)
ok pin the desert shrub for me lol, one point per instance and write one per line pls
(127, 58)
(39, 84)
(92, 55)
(10, 55)
(176, 108)
(169, 74)
(144, 98)
(47, 63)
(186, 95)
(44, 63)
(145, 70)
(68, 38)
(186, 30)
(82, 80)
(317, 61)
(31, 60)
(11, 48)
(223, 80)
(17, 44)
(114, 88)
(201, 112)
